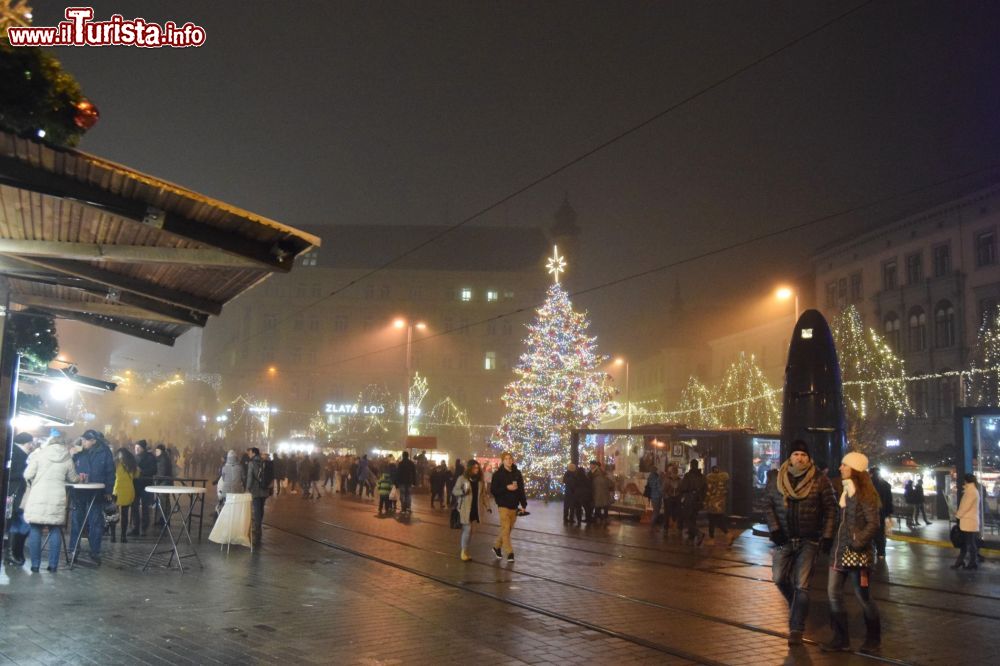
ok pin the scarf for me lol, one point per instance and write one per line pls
(799, 492)
(849, 491)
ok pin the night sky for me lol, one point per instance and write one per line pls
(425, 112)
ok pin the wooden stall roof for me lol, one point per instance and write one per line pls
(85, 238)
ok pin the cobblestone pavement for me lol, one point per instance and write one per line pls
(334, 584)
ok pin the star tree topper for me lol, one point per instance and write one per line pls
(556, 264)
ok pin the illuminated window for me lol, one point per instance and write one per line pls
(490, 362)
(492, 296)
(466, 294)
(508, 295)
(310, 258)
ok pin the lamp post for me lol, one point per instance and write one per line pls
(786, 293)
(628, 394)
(409, 326)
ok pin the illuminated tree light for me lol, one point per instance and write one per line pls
(558, 386)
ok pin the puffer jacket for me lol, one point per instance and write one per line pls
(811, 518)
(49, 469)
(859, 522)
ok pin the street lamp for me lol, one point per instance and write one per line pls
(409, 326)
(786, 293)
(620, 361)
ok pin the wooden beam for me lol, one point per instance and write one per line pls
(113, 324)
(125, 283)
(277, 255)
(137, 254)
(105, 308)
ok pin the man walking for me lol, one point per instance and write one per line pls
(507, 488)
(260, 478)
(801, 511)
(885, 511)
(406, 476)
(439, 479)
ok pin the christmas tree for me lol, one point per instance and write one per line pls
(875, 399)
(558, 386)
(983, 388)
(694, 406)
(746, 399)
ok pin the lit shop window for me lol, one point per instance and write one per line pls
(466, 294)
(490, 362)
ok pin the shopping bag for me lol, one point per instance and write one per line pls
(394, 494)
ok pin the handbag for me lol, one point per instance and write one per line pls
(394, 494)
(456, 520)
(856, 559)
(956, 536)
(112, 514)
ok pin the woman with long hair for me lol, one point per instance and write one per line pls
(854, 555)
(126, 472)
(473, 498)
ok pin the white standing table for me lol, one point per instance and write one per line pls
(176, 507)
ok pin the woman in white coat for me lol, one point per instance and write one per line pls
(474, 501)
(49, 469)
(968, 524)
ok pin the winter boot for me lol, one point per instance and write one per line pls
(17, 549)
(873, 637)
(841, 641)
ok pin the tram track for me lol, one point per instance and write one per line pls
(710, 571)
(465, 586)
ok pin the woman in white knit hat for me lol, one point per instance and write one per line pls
(854, 555)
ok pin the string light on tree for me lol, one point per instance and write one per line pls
(558, 386)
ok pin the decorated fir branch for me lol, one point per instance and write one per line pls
(38, 98)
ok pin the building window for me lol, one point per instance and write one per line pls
(914, 268)
(891, 329)
(491, 328)
(416, 293)
(297, 324)
(831, 294)
(340, 324)
(383, 291)
(946, 396)
(917, 335)
(466, 294)
(508, 295)
(942, 260)
(918, 397)
(464, 327)
(986, 249)
(490, 362)
(842, 292)
(944, 324)
(855, 287)
(315, 290)
(310, 258)
(369, 291)
(987, 310)
(508, 328)
(314, 324)
(889, 279)
(368, 323)
(492, 296)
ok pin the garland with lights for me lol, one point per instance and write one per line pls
(984, 388)
(558, 386)
(38, 98)
(695, 400)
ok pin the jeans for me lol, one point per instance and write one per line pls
(95, 523)
(969, 554)
(257, 514)
(404, 496)
(672, 511)
(859, 582)
(719, 520)
(791, 570)
(657, 504)
(141, 506)
(466, 536)
(437, 492)
(384, 504)
(507, 519)
(35, 545)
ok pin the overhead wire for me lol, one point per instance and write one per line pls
(572, 162)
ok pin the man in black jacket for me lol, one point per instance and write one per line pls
(569, 493)
(406, 476)
(692, 494)
(24, 444)
(801, 511)
(507, 488)
(143, 500)
(886, 510)
(439, 479)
